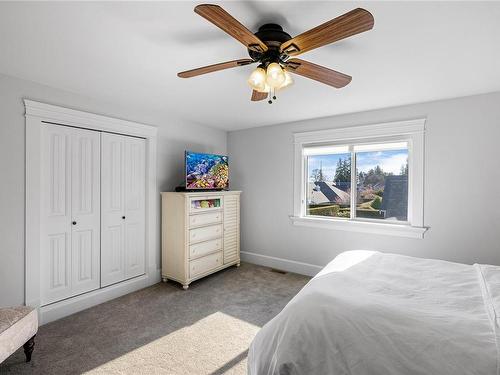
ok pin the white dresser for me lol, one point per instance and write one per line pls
(200, 234)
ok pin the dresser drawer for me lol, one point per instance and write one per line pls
(205, 233)
(205, 264)
(204, 219)
(203, 248)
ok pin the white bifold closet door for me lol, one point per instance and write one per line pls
(70, 212)
(123, 181)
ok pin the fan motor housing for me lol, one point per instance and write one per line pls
(273, 37)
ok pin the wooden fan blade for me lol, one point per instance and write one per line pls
(214, 68)
(222, 19)
(318, 73)
(257, 96)
(354, 22)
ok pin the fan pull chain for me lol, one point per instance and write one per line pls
(271, 96)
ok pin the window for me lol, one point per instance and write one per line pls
(367, 178)
(328, 181)
(378, 191)
(382, 181)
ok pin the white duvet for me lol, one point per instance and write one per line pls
(383, 314)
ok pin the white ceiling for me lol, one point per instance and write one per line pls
(129, 53)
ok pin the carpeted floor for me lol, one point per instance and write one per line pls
(164, 329)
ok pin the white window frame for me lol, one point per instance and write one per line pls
(410, 131)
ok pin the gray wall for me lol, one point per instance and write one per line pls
(174, 137)
(462, 178)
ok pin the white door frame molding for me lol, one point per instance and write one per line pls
(36, 114)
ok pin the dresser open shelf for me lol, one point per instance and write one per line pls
(200, 234)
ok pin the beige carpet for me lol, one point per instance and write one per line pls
(164, 329)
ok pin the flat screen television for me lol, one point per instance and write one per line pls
(206, 171)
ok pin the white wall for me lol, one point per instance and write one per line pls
(174, 137)
(462, 178)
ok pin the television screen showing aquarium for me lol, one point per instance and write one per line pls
(206, 171)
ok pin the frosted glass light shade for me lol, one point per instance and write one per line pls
(288, 80)
(257, 80)
(275, 75)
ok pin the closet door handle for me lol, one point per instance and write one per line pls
(74, 223)
(123, 217)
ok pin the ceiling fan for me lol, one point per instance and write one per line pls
(274, 50)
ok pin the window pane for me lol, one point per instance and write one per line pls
(329, 185)
(382, 185)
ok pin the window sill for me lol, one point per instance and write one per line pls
(361, 226)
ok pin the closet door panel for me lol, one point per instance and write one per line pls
(112, 257)
(135, 181)
(112, 208)
(55, 230)
(134, 249)
(86, 213)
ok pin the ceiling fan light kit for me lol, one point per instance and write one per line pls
(257, 80)
(273, 49)
(275, 76)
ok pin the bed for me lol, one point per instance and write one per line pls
(373, 313)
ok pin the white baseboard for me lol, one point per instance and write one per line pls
(58, 310)
(281, 264)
